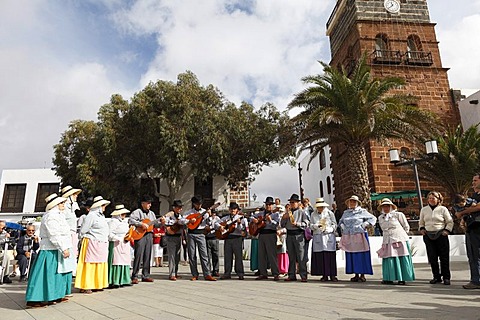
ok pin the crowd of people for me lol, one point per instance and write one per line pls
(97, 253)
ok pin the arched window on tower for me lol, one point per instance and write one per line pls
(381, 44)
(415, 54)
(321, 188)
(321, 159)
(383, 54)
(329, 186)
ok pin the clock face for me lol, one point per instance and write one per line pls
(392, 6)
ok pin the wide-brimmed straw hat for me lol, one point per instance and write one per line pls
(119, 209)
(69, 191)
(386, 201)
(53, 200)
(319, 202)
(99, 201)
(353, 198)
(280, 208)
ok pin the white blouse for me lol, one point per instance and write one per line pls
(54, 231)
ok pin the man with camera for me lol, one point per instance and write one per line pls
(27, 246)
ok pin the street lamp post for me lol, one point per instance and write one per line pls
(398, 160)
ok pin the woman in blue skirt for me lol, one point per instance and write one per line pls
(395, 252)
(354, 240)
(50, 279)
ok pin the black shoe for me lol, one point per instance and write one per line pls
(6, 279)
(402, 283)
(446, 282)
(23, 279)
(435, 280)
(387, 282)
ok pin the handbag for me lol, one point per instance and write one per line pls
(308, 234)
(163, 241)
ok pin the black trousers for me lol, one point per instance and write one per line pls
(22, 261)
(142, 255)
(212, 250)
(438, 249)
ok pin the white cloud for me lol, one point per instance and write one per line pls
(268, 49)
(460, 47)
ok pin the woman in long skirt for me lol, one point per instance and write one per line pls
(92, 267)
(50, 278)
(354, 239)
(324, 254)
(118, 250)
(71, 206)
(395, 252)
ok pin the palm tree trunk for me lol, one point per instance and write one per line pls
(357, 159)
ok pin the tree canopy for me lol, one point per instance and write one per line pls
(170, 131)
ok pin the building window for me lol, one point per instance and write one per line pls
(381, 44)
(43, 191)
(329, 186)
(323, 163)
(14, 197)
(321, 189)
(414, 43)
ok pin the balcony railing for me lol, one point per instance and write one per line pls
(418, 58)
(386, 57)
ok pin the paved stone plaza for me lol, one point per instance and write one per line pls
(250, 299)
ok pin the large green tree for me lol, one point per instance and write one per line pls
(172, 132)
(351, 110)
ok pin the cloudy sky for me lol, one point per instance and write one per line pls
(61, 59)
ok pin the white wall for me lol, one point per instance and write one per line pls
(470, 113)
(32, 177)
(312, 175)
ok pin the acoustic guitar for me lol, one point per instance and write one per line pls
(254, 228)
(228, 228)
(137, 233)
(198, 216)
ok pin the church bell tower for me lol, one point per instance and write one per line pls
(399, 40)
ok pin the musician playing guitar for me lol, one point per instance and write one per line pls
(234, 242)
(267, 240)
(174, 223)
(196, 239)
(143, 246)
(213, 243)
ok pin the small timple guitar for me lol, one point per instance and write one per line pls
(198, 216)
(137, 232)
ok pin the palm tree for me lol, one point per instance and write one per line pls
(457, 160)
(350, 111)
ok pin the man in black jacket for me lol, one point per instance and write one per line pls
(27, 246)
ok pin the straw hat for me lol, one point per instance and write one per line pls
(319, 202)
(280, 208)
(386, 201)
(119, 209)
(99, 201)
(353, 198)
(69, 191)
(54, 200)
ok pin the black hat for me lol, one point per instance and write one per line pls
(269, 200)
(146, 198)
(294, 197)
(233, 205)
(177, 203)
(197, 199)
(89, 202)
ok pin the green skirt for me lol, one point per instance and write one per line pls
(117, 275)
(398, 268)
(254, 254)
(44, 282)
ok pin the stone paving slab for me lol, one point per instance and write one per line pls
(251, 299)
